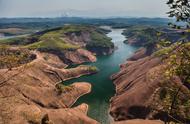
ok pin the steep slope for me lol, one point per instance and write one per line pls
(140, 86)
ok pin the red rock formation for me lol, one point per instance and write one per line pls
(28, 93)
(80, 56)
(133, 89)
(138, 90)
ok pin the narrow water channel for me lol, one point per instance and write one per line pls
(102, 86)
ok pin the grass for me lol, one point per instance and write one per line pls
(54, 39)
(53, 43)
(74, 28)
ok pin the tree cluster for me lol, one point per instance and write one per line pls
(180, 9)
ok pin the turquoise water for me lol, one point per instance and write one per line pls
(102, 86)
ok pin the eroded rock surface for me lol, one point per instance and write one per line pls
(140, 86)
(133, 89)
(28, 93)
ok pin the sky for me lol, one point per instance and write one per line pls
(83, 8)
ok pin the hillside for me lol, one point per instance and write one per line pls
(147, 35)
(71, 43)
(35, 93)
(33, 69)
(145, 88)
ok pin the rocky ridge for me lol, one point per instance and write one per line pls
(29, 93)
(139, 87)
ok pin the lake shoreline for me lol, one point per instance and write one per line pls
(102, 86)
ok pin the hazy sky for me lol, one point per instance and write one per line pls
(90, 8)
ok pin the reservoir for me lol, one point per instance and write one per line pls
(102, 87)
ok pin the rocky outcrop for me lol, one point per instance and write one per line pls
(80, 56)
(141, 53)
(73, 57)
(93, 39)
(78, 38)
(28, 94)
(139, 90)
(133, 89)
(133, 41)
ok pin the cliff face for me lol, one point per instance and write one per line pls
(140, 86)
(94, 39)
(72, 57)
(133, 89)
(29, 93)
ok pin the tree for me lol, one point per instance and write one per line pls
(180, 9)
(175, 100)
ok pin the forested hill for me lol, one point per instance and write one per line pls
(52, 22)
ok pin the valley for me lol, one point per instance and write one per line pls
(102, 86)
(100, 71)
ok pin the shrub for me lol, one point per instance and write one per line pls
(10, 58)
(63, 88)
(93, 69)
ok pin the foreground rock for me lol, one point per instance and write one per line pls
(133, 89)
(140, 86)
(28, 94)
(141, 53)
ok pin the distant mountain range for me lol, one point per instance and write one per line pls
(60, 21)
(65, 18)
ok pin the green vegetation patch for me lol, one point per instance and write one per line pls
(61, 88)
(53, 43)
(166, 50)
(13, 41)
(75, 28)
(145, 35)
(100, 40)
(54, 39)
(93, 69)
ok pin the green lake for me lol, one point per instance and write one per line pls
(102, 87)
